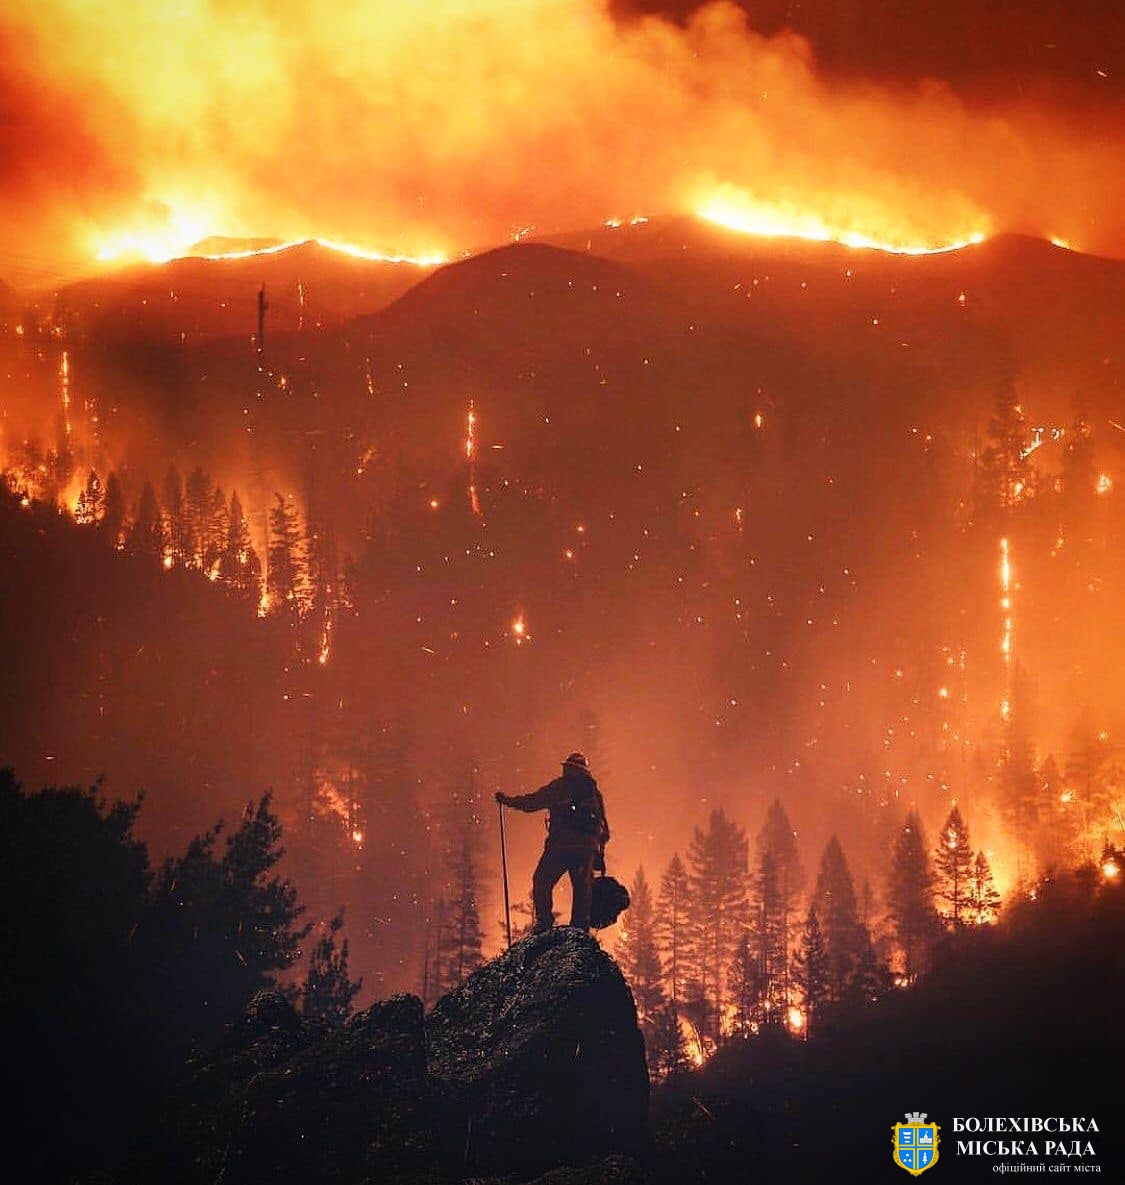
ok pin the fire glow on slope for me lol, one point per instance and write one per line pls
(130, 246)
(749, 216)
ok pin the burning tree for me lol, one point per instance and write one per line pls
(91, 502)
(983, 900)
(1006, 475)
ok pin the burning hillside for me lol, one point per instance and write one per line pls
(429, 131)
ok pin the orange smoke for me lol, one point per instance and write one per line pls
(428, 129)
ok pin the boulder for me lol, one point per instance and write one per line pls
(537, 1061)
(534, 1066)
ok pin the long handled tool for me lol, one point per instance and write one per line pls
(504, 866)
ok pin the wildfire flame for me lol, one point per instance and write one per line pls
(739, 211)
(177, 242)
(1006, 605)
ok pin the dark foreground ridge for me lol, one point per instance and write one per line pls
(534, 1066)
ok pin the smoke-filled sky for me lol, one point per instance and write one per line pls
(444, 126)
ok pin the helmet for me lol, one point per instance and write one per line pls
(577, 761)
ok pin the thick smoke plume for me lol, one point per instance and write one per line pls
(444, 126)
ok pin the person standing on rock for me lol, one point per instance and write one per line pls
(577, 833)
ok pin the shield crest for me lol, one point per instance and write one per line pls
(915, 1143)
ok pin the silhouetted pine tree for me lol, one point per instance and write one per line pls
(226, 926)
(285, 574)
(461, 938)
(910, 898)
(328, 990)
(777, 886)
(665, 1043)
(636, 950)
(953, 860)
(390, 878)
(717, 910)
(177, 535)
(216, 527)
(198, 493)
(847, 942)
(745, 989)
(113, 513)
(810, 970)
(146, 535)
(78, 1016)
(672, 926)
(239, 566)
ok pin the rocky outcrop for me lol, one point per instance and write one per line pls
(537, 1060)
(286, 1100)
(534, 1066)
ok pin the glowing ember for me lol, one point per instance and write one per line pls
(796, 1019)
(1105, 483)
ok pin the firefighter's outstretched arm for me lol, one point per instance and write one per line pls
(538, 800)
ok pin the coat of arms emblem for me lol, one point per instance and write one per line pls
(915, 1143)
